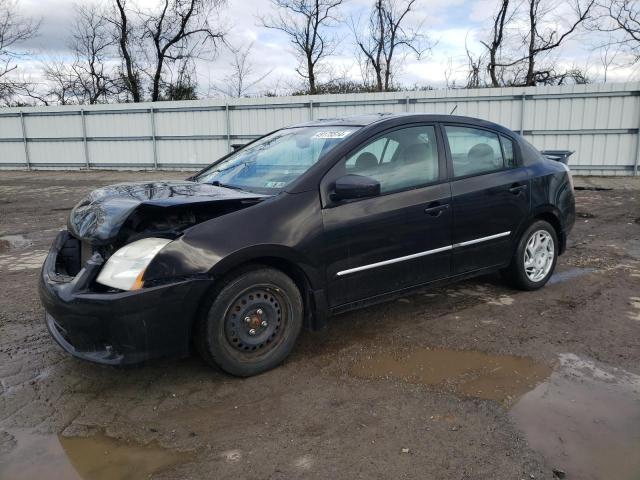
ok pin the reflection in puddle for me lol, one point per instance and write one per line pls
(585, 420)
(81, 458)
(8, 242)
(563, 276)
(469, 373)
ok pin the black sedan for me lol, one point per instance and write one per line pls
(305, 222)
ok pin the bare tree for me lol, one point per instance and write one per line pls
(179, 30)
(14, 30)
(621, 19)
(92, 44)
(387, 37)
(243, 77)
(448, 74)
(494, 45)
(167, 38)
(607, 58)
(62, 86)
(183, 86)
(91, 77)
(474, 67)
(125, 35)
(543, 40)
(306, 22)
(523, 57)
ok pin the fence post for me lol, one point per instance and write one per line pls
(406, 103)
(636, 162)
(524, 96)
(153, 139)
(228, 125)
(310, 109)
(27, 161)
(84, 139)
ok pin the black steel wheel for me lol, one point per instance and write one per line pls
(253, 322)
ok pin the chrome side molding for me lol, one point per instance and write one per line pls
(481, 239)
(421, 254)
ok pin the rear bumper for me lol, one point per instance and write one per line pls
(117, 328)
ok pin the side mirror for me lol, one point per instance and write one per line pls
(356, 186)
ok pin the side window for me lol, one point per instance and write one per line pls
(382, 149)
(474, 151)
(507, 149)
(400, 159)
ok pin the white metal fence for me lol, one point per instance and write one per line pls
(600, 122)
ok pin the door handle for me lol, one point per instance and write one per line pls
(436, 210)
(516, 189)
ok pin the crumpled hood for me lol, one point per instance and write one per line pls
(100, 215)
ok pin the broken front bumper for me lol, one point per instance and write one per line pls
(117, 328)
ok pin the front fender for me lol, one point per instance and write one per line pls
(181, 259)
(288, 228)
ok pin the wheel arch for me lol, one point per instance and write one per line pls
(305, 275)
(549, 214)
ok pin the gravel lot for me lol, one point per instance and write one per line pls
(471, 381)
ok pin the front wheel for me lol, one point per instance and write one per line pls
(535, 258)
(253, 322)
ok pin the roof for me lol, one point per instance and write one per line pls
(351, 120)
(369, 119)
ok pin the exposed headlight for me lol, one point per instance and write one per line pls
(125, 268)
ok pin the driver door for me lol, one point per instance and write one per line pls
(400, 238)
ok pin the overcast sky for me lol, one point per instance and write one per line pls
(447, 22)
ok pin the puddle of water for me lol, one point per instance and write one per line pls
(8, 242)
(468, 373)
(23, 261)
(632, 248)
(82, 458)
(585, 420)
(569, 274)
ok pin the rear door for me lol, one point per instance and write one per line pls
(490, 196)
(399, 238)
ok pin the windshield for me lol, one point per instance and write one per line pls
(271, 163)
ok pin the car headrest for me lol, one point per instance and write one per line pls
(481, 153)
(365, 161)
(418, 152)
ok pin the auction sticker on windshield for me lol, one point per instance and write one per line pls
(332, 134)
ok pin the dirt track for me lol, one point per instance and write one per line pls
(368, 398)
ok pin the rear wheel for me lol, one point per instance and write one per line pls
(535, 258)
(253, 322)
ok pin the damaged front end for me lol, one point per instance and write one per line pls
(92, 284)
(114, 216)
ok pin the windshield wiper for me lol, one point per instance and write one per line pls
(218, 183)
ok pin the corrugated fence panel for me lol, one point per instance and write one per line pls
(12, 154)
(187, 123)
(118, 124)
(599, 122)
(41, 153)
(10, 127)
(119, 153)
(189, 153)
(53, 126)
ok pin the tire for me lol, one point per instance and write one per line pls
(535, 275)
(262, 300)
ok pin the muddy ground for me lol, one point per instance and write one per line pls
(472, 381)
